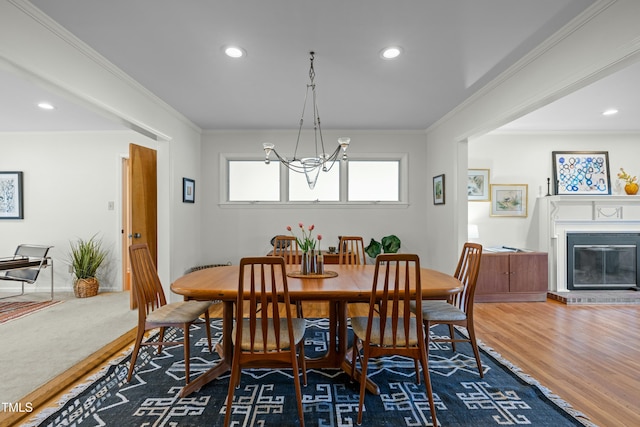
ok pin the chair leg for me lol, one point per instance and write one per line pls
(187, 353)
(363, 384)
(234, 381)
(474, 345)
(424, 360)
(230, 392)
(134, 354)
(302, 362)
(160, 339)
(451, 334)
(296, 383)
(354, 353)
(208, 328)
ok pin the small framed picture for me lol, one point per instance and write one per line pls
(478, 185)
(438, 190)
(509, 200)
(188, 190)
(11, 200)
(581, 172)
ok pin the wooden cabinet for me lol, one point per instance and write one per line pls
(512, 276)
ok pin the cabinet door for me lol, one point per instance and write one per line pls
(494, 274)
(528, 272)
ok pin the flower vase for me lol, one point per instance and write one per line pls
(312, 262)
(631, 188)
(305, 263)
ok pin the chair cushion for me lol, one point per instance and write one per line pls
(359, 325)
(178, 312)
(442, 311)
(298, 324)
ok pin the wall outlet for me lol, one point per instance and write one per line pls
(111, 205)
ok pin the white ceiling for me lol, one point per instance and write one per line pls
(451, 49)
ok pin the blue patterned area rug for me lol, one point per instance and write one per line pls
(504, 397)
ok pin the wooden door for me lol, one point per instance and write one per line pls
(144, 197)
(139, 206)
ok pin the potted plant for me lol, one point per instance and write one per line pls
(86, 257)
(390, 245)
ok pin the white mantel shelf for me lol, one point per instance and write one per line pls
(559, 215)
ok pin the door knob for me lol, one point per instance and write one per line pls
(137, 235)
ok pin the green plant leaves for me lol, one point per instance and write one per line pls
(86, 257)
(390, 244)
(373, 249)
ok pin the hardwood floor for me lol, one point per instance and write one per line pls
(588, 355)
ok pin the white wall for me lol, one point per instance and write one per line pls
(69, 178)
(601, 41)
(231, 232)
(516, 158)
(33, 44)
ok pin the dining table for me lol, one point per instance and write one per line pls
(339, 285)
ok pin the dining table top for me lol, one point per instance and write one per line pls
(350, 283)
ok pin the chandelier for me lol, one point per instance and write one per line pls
(310, 166)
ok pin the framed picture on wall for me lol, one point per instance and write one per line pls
(509, 200)
(188, 190)
(11, 200)
(438, 190)
(478, 185)
(581, 172)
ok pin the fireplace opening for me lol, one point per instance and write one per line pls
(603, 261)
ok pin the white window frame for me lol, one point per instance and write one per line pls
(403, 193)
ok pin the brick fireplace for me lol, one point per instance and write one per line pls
(590, 219)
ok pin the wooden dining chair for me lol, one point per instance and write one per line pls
(154, 312)
(458, 311)
(265, 338)
(287, 247)
(392, 328)
(351, 250)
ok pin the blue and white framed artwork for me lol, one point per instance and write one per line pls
(11, 205)
(581, 172)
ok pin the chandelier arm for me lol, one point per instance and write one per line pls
(310, 166)
(304, 107)
(289, 164)
(331, 160)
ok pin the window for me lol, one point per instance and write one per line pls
(252, 181)
(369, 179)
(327, 187)
(377, 180)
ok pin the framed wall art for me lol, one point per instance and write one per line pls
(509, 200)
(581, 172)
(478, 185)
(438, 190)
(11, 200)
(188, 190)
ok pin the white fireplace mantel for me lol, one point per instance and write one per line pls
(559, 215)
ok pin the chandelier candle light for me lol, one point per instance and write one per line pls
(310, 166)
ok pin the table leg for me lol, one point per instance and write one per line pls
(339, 354)
(225, 351)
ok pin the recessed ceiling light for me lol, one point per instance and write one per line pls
(391, 52)
(46, 106)
(610, 112)
(234, 51)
